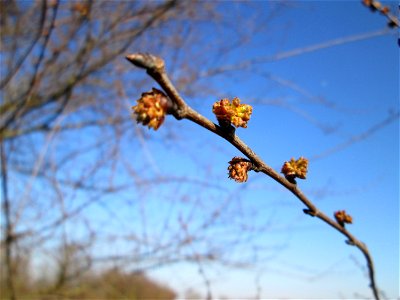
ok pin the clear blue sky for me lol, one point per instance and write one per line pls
(302, 257)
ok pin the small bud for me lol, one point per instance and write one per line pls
(81, 8)
(342, 218)
(151, 108)
(385, 10)
(367, 3)
(232, 113)
(295, 168)
(238, 168)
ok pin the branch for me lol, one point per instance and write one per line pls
(19, 107)
(8, 228)
(393, 116)
(14, 69)
(297, 52)
(155, 67)
(374, 6)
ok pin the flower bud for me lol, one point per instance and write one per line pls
(342, 217)
(385, 10)
(295, 168)
(232, 112)
(151, 108)
(238, 168)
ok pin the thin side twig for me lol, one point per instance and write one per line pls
(155, 67)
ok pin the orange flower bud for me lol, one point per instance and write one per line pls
(238, 168)
(367, 2)
(82, 8)
(342, 218)
(385, 10)
(295, 168)
(232, 113)
(151, 108)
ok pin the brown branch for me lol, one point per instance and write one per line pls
(9, 237)
(394, 116)
(384, 10)
(31, 100)
(14, 69)
(245, 64)
(28, 95)
(155, 67)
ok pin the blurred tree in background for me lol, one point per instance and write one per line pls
(65, 123)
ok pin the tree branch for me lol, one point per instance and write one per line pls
(155, 67)
(8, 228)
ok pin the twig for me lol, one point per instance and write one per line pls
(245, 64)
(374, 6)
(21, 106)
(14, 69)
(359, 137)
(155, 67)
(9, 237)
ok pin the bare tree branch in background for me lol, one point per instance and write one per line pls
(63, 125)
(8, 237)
(111, 41)
(56, 80)
(296, 52)
(392, 117)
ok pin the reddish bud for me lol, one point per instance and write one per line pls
(151, 108)
(342, 217)
(238, 168)
(232, 112)
(295, 168)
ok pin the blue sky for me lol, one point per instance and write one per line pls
(303, 258)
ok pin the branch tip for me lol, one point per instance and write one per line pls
(146, 61)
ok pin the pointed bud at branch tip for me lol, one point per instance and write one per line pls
(146, 61)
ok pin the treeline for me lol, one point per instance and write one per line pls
(109, 284)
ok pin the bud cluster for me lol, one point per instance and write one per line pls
(342, 217)
(295, 168)
(232, 112)
(238, 168)
(151, 108)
